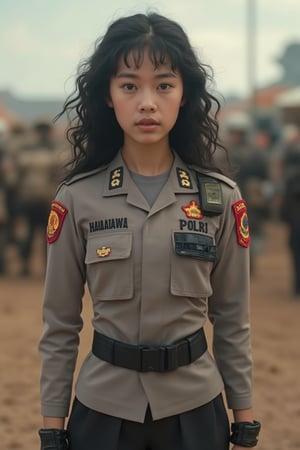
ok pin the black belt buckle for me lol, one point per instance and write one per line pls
(172, 356)
(146, 358)
(152, 359)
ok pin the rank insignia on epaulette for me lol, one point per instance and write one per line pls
(241, 222)
(192, 210)
(184, 178)
(116, 178)
(56, 218)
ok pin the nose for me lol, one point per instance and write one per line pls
(147, 102)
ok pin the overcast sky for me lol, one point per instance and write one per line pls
(42, 41)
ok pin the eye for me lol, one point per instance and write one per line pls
(128, 87)
(164, 87)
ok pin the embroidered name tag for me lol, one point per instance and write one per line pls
(108, 224)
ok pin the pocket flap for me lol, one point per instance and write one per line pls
(108, 247)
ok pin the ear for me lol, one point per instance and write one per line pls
(182, 101)
(109, 103)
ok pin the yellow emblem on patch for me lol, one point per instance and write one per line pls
(103, 252)
(192, 210)
(55, 221)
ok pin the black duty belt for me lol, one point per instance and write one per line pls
(146, 358)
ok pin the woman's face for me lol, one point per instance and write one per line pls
(146, 100)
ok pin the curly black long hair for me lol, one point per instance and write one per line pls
(94, 133)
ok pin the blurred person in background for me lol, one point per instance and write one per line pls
(289, 182)
(36, 180)
(250, 159)
(3, 199)
(16, 142)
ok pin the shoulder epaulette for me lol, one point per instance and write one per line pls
(215, 175)
(81, 176)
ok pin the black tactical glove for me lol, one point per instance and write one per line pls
(245, 434)
(53, 439)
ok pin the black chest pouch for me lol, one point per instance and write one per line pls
(211, 197)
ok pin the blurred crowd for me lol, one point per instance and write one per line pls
(267, 169)
(31, 162)
(266, 166)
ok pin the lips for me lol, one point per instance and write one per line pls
(147, 122)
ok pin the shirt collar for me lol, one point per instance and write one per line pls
(118, 178)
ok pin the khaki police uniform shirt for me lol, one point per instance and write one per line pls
(103, 233)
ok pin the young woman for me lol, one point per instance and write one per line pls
(161, 238)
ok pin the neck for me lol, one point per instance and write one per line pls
(148, 161)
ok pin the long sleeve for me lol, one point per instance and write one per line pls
(229, 311)
(64, 289)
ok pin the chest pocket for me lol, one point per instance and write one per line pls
(110, 266)
(191, 264)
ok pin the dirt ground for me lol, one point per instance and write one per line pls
(276, 348)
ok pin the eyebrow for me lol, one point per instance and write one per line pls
(135, 76)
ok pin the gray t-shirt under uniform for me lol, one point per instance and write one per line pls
(150, 186)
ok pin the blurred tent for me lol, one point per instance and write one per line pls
(256, 113)
(237, 120)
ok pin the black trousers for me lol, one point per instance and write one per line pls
(203, 428)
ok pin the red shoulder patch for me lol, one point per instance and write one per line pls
(241, 222)
(56, 218)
